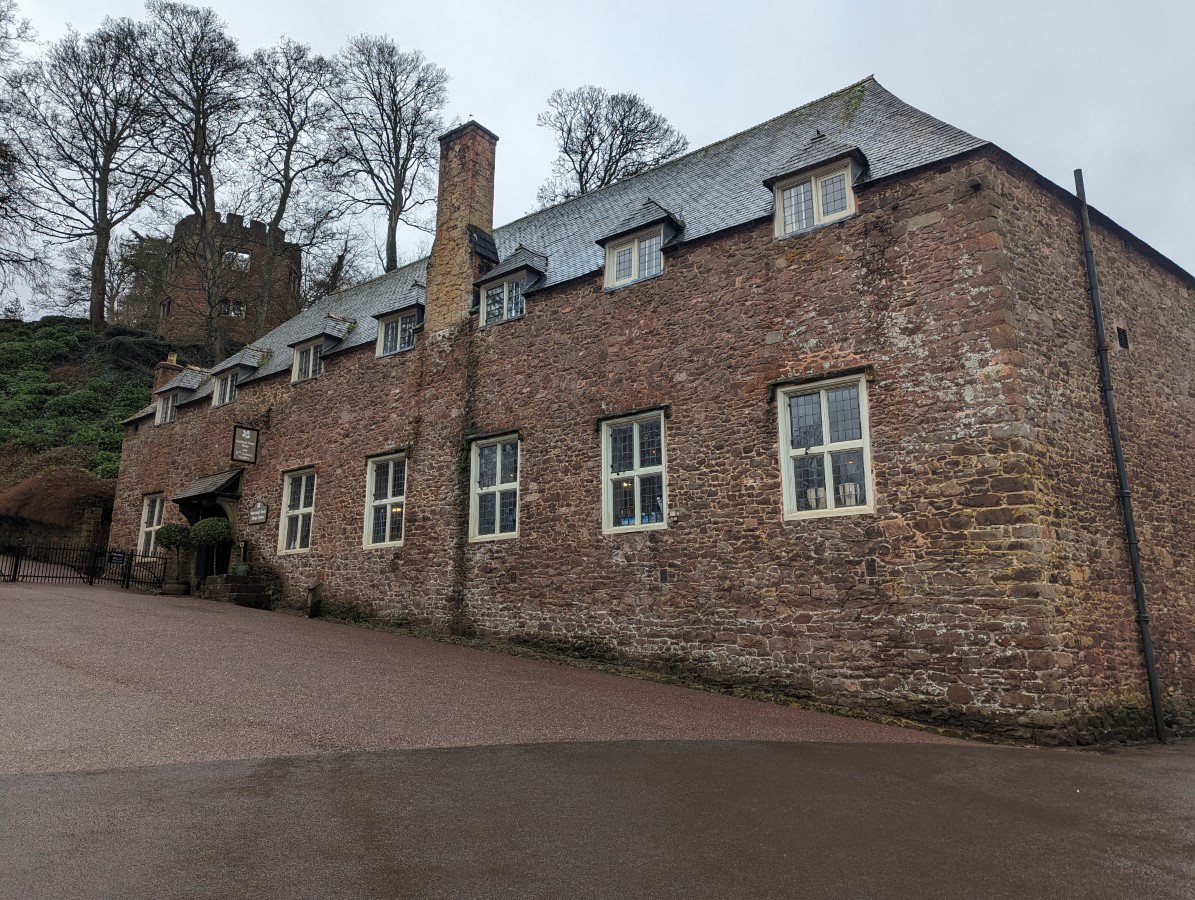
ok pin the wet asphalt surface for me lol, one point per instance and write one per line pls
(173, 747)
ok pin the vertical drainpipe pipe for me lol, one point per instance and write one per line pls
(1122, 475)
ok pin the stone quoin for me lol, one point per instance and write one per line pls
(815, 408)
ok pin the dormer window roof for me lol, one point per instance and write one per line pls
(520, 259)
(641, 218)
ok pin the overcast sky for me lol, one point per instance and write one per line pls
(1106, 86)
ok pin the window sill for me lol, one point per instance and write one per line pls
(610, 288)
(488, 325)
(817, 227)
(390, 545)
(295, 552)
(826, 513)
(631, 529)
(490, 538)
(388, 355)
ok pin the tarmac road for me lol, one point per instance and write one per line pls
(137, 768)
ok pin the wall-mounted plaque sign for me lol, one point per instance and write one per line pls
(257, 513)
(244, 444)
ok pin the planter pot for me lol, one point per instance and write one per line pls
(240, 569)
(175, 588)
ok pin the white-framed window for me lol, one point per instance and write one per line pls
(494, 496)
(502, 302)
(237, 260)
(225, 390)
(298, 506)
(825, 449)
(167, 407)
(309, 361)
(151, 520)
(397, 333)
(635, 258)
(634, 489)
(385, 500)
(815, 199)
(232, 308)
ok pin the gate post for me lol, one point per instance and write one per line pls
(16, 562)
(126, 579)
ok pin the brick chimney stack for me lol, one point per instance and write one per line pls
(465, 203)
(164, 371)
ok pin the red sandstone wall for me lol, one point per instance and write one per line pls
(1096, 656)
(941, 606)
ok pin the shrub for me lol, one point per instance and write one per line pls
(173, 537)
(212, 530)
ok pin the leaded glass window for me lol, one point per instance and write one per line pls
(503, 302)
(226, 389)
(387, 501)
(309, 361)
(494, 506)
(635, 258)
(298, 500)
(814, 200)
(397, 334)
(151, 520)
(825, 445)
(634, 487)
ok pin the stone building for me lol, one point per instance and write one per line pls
(815, 408)
(244, 259)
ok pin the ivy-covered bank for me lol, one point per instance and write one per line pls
(63, 393)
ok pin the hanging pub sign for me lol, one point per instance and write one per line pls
(244, 444)
(257, 513)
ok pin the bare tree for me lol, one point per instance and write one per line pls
(15, 252)
(603, 138)
(389, 106)
(86, 130)
(290, 135)
(199, 81)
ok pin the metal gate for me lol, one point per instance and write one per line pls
(69, 563)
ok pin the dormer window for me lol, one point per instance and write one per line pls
(502, 302)
(397, 333)
(308, 361)
(225, 390)
(634, 258)
(813, 199)
(167, 407)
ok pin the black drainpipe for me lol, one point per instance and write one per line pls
(1122, 475)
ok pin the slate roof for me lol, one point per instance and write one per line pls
(520, 258)
(220, 483)
(250, 357)
(331, 325)
(648, 213)
(710, 190)
(188, 380)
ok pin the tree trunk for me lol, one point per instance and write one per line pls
(99, 280)
(391, 241)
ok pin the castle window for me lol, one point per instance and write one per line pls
(397, 333)
(635, 258)
(233, 308)
(151, 520)
(635, 492)
(166, 306)
(237, 260)
(225, 390)
(811, 200)
(825, 449)
(167, 408)
(494, 497)
(309, 362)
(385, 501)
(503, 301)
(298, 507)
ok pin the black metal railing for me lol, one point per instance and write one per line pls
(71, 563)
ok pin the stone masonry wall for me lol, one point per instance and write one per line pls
(941, 606)
(1096, 653)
